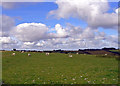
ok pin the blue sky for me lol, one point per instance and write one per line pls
(37, 12)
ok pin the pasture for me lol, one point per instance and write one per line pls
(58, 68)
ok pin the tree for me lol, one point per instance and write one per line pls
(14, 49)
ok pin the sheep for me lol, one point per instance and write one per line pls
(77, 53)
(29, 54)
(47, 54)
(105, 54)
(22, 51)
(13, 54)
(70, 55)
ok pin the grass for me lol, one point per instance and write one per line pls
(58, 69)
(118, 51)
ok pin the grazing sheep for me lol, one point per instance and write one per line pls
(70, 55)
(77, 53)
(22, 52)
(47, 54)
(105, 54)
(13, 54)
(29, 54)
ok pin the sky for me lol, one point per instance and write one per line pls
(68, 25)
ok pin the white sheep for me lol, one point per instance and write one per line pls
(22, 52)
(47, 54)
(13, 54)
(70, 55)
(77, 53)
(105, 54)
(29, 54)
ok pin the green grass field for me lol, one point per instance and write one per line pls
(58, 69)
(115, 51)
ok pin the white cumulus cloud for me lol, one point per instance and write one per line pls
(28, 43)
(117, 10)
(7, 40)
(93, 12)
(40, 44)
(28, 32)
(6, 24)
(60, 32)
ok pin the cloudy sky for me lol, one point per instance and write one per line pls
(62, 24)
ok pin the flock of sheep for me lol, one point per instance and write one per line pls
(13, 54)
(47, 54)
